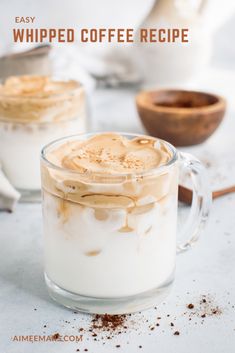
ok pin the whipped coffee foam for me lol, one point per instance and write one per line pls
(112, 153)
(27, 99)
(106, 169)
(35, 110)
(35, 86)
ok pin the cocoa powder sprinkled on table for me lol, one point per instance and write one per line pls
(107, 326)
(176, 333)
(203, 308)
(103, 328)
(55, 336)
(190, 306)
(108, 322)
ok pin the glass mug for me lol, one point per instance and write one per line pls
(33, 111)
(106, 249)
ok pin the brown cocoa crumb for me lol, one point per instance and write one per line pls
(55, 336)
(78, 350)
(118, 346)
(190, 306)
(172, 324)
(85, 350)
(176, 333)
(45, 326)
(203, 315)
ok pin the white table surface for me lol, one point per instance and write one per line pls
(208, 269)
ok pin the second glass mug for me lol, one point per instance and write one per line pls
(31, 117)
(104, 252)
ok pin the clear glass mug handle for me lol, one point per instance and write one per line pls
(201, 201)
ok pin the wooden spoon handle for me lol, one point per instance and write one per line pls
(222, 192)
(185, 194)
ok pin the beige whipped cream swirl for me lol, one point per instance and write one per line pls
(110, 171)
(39, 98)
(112, 153)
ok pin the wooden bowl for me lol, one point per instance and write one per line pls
(181, 117)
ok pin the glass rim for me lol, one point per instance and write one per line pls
(148, 172)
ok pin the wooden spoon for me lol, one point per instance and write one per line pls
(185, 194)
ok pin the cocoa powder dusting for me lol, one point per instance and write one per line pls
(109, 323)
(103, 328)
(203, 308)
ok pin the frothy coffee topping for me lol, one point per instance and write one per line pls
(109, 171)
(35, 86)
(111, 153)
(28, 99)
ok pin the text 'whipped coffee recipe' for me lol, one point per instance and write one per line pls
(97, 35)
